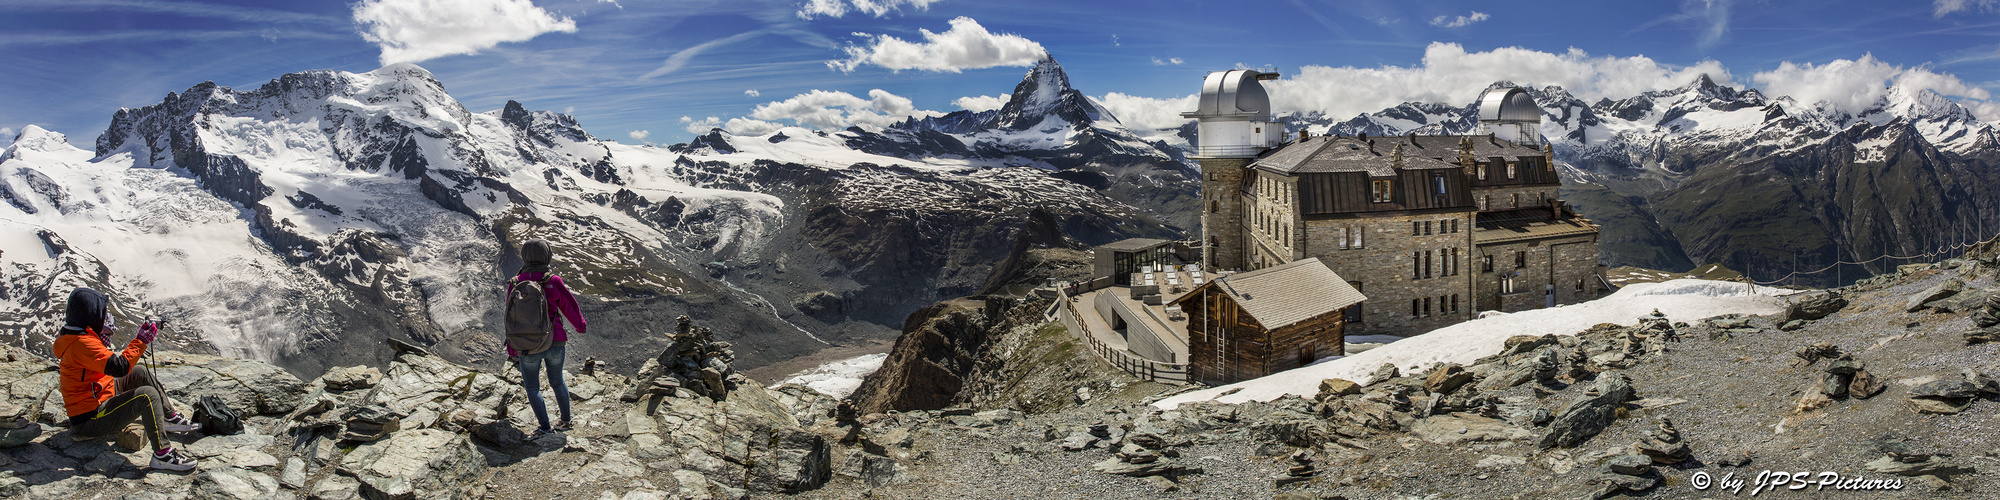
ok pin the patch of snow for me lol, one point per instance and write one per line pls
(839, 378)
(1463, 343)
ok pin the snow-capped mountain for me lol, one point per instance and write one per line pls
(306, 219)
(1712, 173)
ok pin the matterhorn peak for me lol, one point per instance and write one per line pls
(1045, 92)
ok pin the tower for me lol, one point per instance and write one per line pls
(1510, 113)
(1234, 126)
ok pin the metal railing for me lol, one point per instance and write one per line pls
(1175, 373)
(1227, 150)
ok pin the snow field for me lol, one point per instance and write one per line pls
(1463, 343)
(839, 378)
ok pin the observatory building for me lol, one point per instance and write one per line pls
(1432, 229)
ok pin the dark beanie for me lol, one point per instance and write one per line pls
(536, 252)
(86, 310)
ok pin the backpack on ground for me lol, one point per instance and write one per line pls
(529, 330)
(216, 418)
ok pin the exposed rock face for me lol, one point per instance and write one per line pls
(422, 463)
(940, 346)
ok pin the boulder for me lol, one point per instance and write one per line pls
(1815, 305)
(1864, 385)
(1978, 336)
(1385, 372)
(1460, 428)
(1834, 385)
(1447, 378)
(422, 463)
(18, 436)
(351, 378)
(1630, 465)
(1939, 292)
(294, 475)
(1927, 466)
(1334, 388)
(1982, 382)
(1946, 389)
(233, 483)
(1589, 414)
(335, 487)
(1289, 428)
(797, 461)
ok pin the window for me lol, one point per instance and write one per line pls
(1520, 260)
(1416, 265)
(1454, 302)
(1486, 264)
(1380, 190)
(1482, 201)
(1414, 304)
(1517, 200)
(1357, 235)
(1482, 172)
(1211, 176)
(1343, 237)
(1214, 207)
(1450, 261)
(1427, 264)
(1437, 182)
(1510, 170)
(1427, 228)
(1416, 228)
(1579, 285)
(1427, 306)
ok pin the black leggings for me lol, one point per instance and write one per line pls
(139, 398)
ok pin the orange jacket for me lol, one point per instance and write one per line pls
(88, 367)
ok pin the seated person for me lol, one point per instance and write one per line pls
(104, 391)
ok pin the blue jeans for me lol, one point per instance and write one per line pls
(531, 379)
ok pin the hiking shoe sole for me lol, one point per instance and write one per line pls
(174, 463)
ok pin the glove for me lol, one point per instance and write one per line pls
(147, 332)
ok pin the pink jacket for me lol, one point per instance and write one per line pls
(560, 300)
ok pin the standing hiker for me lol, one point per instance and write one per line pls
(104, 391)
(536, 303)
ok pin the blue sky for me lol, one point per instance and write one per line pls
(639, 65)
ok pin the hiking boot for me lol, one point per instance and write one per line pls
(171, 459)
(537, 435)
(564, 426)
(177, 422)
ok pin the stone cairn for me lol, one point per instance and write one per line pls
(1845, 377)
(693, 365)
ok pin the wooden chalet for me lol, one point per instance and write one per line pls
(1254, 324)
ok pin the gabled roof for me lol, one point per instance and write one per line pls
(1280, 296)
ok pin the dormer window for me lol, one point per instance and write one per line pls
(1510, 170)
(1379, 192)
(1482, 172)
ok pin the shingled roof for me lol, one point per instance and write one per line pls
(1282, 295)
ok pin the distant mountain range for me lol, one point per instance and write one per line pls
(1711, 174)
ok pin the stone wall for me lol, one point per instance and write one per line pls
(1382, 269)
(1553, 264)
(1222, 212)
(1512, 197)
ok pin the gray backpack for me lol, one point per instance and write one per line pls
(529, 330)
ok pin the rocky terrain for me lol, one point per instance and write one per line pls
(1889, 382)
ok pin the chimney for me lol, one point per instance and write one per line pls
(1371, 143)
(1396, 157)
(1303, 134)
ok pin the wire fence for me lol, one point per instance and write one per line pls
(1938, 254)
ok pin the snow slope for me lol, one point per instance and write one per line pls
(1463, 343)
(838, 378)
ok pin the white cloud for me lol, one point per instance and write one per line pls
(6, 135)
(1146, 113)
(1460, 21)
(967, 45)
(1171, 60)
(981, 103)
(1942, 7)
(838, 110)
(738, 126)
(419, 30)
(1855, 85)
(1114, 41)
(877, 8)
(639, 135)
(1449, 74)
(752, 93)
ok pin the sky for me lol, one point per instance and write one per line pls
(661, 71)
